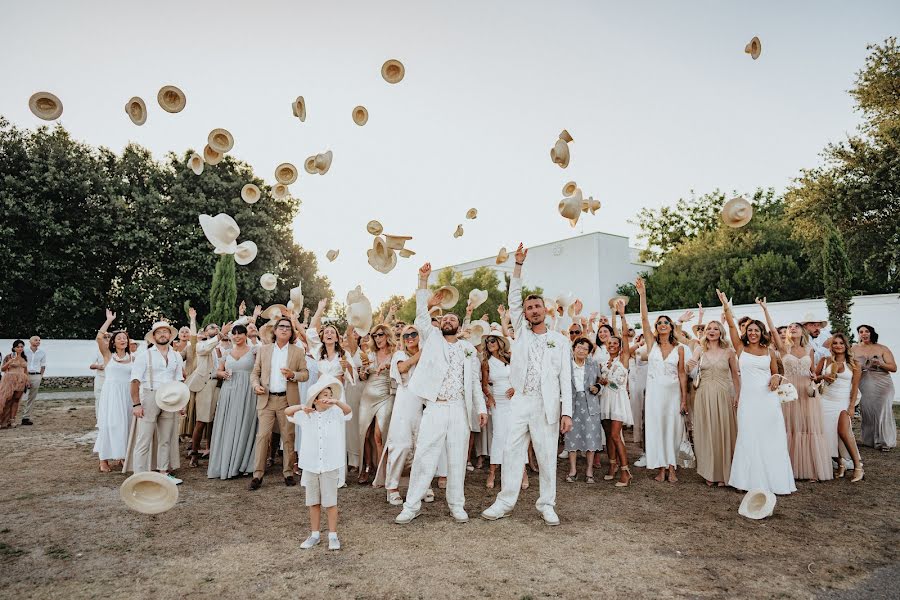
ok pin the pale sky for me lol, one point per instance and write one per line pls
(659, 97)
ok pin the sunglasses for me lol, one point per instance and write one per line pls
(575, 332)
(664, 322)
(283, 327)
(380, 334)
(410, 336)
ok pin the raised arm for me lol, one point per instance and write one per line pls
(425, 300)
(515, 289)
(779, 342)
(624, 348)
(645, 318)
(101, 344)
(733, 330)
(316, 322)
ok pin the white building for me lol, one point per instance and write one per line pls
(591, 266)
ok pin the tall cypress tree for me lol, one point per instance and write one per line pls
(223, 292)
(837, 276)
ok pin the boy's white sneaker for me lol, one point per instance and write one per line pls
(312, 540)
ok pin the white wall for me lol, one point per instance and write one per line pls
(65, 358)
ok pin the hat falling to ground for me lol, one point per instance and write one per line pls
(374, 227)
(286, 173)
(136, 110)
(737, 212)
(196, 162)
(298, 107)
(220, 140)
(250, 194)
(222, 232)
(245, 253)
(171, 99)
(757, 504)
(149, 492)
(393, 71)
(754, 48)
(45, 106)
(211, 156)
(172, 396)
(360, 115)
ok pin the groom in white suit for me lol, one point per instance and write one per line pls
(448, 378)
(541, 375)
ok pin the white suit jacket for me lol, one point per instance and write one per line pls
(433, 364)
(556, 371)
(205, 362)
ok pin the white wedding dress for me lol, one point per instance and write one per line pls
(761, 460)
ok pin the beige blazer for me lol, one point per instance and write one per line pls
(204, 364)
(296, 362)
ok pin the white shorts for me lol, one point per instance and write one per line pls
(321, 488)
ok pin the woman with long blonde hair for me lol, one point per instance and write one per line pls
(841, 374)
(377, 399)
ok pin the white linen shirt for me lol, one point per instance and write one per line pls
(36, 360)
(277, 381)
(535, 361)
(578, 376)
(163, 372)
(323, 442)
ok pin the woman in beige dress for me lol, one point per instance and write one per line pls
(377, 399)
(878, 428)
(13, 384)
(718, 388)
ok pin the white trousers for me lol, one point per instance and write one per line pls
(527, 422)
(159, 422)
(444, 427)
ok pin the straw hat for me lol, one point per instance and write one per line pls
(136, 110)
(449, 296)
(323, 162)
(331, 255)
(360, 115)
(171, 99)
(551, 306)
(396, 242)
(309, 165)
(245, 253)
(211, 156)
(324, 381)
(570, 207)
(220, 140)
(497, 332)
(757, 504)
(569, 188)
(222, 232)
(196, 162)
(436, 311)
(406, 253)
(250, 194)
(477, 297)
(754, 48)
(279, 191)
(149, 492)
(590, 204)
(275, 311)
(612, 302)
(575, 308)
(160, 325)
(502, 256)
(565, 299)
(268, 281)
(172, 396)
(565, 136)
(380, 257)
(45, 106)
(298, 107)
(286, 173)
(458, 232)
(559, 154)
(374, 227)
(359, 311)
(737, 212)
(296, 296)
(472, 213)
(811, 317)
(477, 330)
(393, 71)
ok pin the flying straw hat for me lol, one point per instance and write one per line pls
(477, 330)
(359, 316)
(172, 396)
(565, 136)
(136, 110)
(211, 156)
(757, 504)
(472, 213)
(570, 207)
(754, 48)
(220, 140)
(298, 107)
(245, 253)
(380, 257)
(374, 227)
(171, 99)
(268, 281)
(502, 256)
(393, 71)
(310, 164)
(589, 204)
(569, 188)
(296, 294)
(286, 173)
(279, 191)
(360, 115)
(323, 162)
(355, 295)
(737, 212)
(222, 232)
(559, 153)
(565, 299)
(45, 106)
(477, 297)
(196, 162)
(612, 302)
(275, 311)
(458, 232)
(449, 296)
(406, 253)
(149, 492)
(250, 194)
(331, 255)
(396, 242)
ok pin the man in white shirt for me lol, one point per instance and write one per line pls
(814, 325)
(541, 375)
(37, 364)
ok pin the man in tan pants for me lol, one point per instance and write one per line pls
(37, 364)
(278, 370)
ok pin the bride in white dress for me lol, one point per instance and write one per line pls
(760, 460)
(114, 403)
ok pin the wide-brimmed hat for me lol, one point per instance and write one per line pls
(374, 227)
(754, 48)
(355, 295)
(497, 332)
(477, 330)
(45, 106)
(757, 504)
(211, 156)
(359, 316)
(811, 317)
(565, 136)
(286, 173)
(612, 302)
(220, 140)
(331, 255)
(323, 162)
(559, 153)
(502, 256)
(575, 308)
(565, 299)
(450, 296)
(279, 191)
(569, 188)
(268, 281)
(472, 213)
(136, 110)
(550, 305)
(477, 297)
(360, 115)
(396, 242)
(393, 71)
(298, 107)
(406, 253)
(380, 257)
(324, 381)
(737, 212)
(459, 231)
(589, 204)
(309, 165)
(222, 232)
(250, 194)
(570, 206)
(149, 492)
(172, 396)
(196, 162)
(171, 99)
(245, 253)
(160, 325)
(275, 311)
(296, 296)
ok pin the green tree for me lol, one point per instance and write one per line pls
(223, 292)
(837, 276)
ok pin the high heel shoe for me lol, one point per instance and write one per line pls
(611, 476)
(858, 474)
(842, 468)
(624, 469)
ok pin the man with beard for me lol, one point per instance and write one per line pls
(448, 378)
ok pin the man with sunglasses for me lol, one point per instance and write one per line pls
(448, 377)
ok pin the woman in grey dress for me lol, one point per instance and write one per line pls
(878, 428)
(587, 431)
(234, 428)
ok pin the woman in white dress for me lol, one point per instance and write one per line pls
(665, 398)
(498, 396)
(841, 374)
(761, 459)
(114, 404)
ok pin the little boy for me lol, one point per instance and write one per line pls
(322, 453)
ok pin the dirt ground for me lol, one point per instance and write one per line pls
(64, 533)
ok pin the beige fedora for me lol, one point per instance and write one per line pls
(447, 295)
(222, 232)
(211, 156)
(149, 492)
(477, 331)
(355, 295)
(406, 253)
(393, 71)
(298, 107)
(310, 164)
(172, 396)
(245, 253)
(477, 298)
(323, 162)
(396, 242)
(472, 213)
(575, 308)
(322, 382)
(502, 256)
(811, 317)
(250, 194)
(754, 48)
(275, 311)
(589, 204)
(286, 173)
(196, 162)
(45, 106)
(497, 332)
(612, 302)
(459, 231)
(220, 140)
(136, 110)
(359, 316)
(559, 153)
(171, 99)
(569, 188)
(374, 227)
(360, 115)
(565, 136)
(160, 325)
(280, 191)
(268, 281)
(757, 504)
(570, 207)
(737, 212)
(331, 255)
(380, 257)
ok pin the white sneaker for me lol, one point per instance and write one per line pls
(549, 516)
(470, 467)
(642, 461)
(394, 498)
(459, 515)
(311, 541)
(334, 543)
(564, 454)
(429, 496)
(406, 516)
(174, 479)
(494, 512)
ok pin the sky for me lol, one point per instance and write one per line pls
(659, 98)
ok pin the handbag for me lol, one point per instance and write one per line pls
(696, 380)
(786, 391)
(686, 457)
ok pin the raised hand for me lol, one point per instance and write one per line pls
(242, 308)
(110, 315)
(722, 298)
(686, 316)
(620, 307)
(501, 310)
(639, 284)
(257, 310)
(761, 302)
(521, 253)
(425, 270)
(192, 313)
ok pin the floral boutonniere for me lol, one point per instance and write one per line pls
(468, 353)
(551, 344)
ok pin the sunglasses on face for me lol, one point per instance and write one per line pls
(410, 336)
(380, 334)
(575, 332)
(283, 327)
(664, 322)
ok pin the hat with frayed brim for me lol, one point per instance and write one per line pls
(45, 106)
(136, 110)
(150, 492)
(171, 99)
(757, 504)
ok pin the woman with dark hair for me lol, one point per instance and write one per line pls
(615, 405)
(13, 384)
(586, 434)
(325, 346)
(377, 400)
(878, 429)
(666, 393)
(234, 428)
(761, 459)
(841, 374)
(114, 406)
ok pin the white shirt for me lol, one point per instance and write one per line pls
(36, 360)
(819, 350)
(453, 384)
(535, 362)
(99, 374)
(277, 381)
(163, 371)
(322, 439)
(578, 376)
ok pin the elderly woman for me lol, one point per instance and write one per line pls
(587, 431)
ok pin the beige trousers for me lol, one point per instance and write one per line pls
(274, 411)
(161, 423)
(31, 396)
